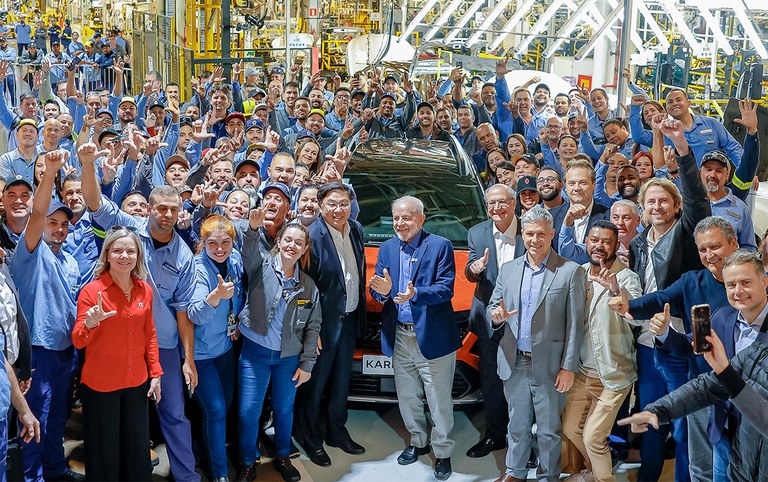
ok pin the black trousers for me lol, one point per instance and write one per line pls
(494, 403)
(116, 434)
(330, 376)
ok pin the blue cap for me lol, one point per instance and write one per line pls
(57, 206)
(304, 134)
(254, 123)
(279, 186)
(277, 70)
(389, 94)
(105, 111)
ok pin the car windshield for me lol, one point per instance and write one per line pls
(453, 202)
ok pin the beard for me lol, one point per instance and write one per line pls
(596, 262)
(628, 191)
(549, 197)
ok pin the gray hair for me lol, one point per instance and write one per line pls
(510, 192)
(537, 214)
(631, 205)
(413, 201)
(716, 222)
(743, 256)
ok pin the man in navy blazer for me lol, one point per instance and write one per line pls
(491, 244)
(415, 272)
(337, 265)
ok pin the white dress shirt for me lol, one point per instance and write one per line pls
(505, 243)
(580, 225)
(348, 265)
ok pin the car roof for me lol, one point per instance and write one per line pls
(398, 154)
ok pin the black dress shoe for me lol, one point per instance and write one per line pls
(286, 469)
(349, 446)
(411, 454)
(246, 472)
(485, 446)
(443, 468)
(70, 476)
(533, 461)
(319, 457)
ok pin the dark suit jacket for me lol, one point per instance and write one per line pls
(325, 270)
(479, 238)
(676, 252)
(433, 274)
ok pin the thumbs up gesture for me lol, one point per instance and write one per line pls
(660, 322)
(410, 292)
(478, 266)
(381, 285)
(96, 314)
(225, 290)
(500, 314)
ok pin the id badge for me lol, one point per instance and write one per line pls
(231, 325)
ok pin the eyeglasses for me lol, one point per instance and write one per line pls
(334, 206)
(497, 204)
(116, 228)
(547, 180)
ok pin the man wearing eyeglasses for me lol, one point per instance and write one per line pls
(491, 244)
(338, 267)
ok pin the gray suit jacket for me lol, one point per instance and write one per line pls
(557, 326)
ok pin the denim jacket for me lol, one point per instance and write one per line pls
(301, 324)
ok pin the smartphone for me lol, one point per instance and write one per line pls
(73, 63)
(459, 64)
(702, 328)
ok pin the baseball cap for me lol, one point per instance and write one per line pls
(156, 103)
(526, 183)
(718, 156)
(234, 115)
(106, 132)
(529, 158)
(57, 206)
(15, 181)
(105, 111)
(357, 92)
(127, 98)
(304, 134)
(425, 104)
(27, 122)
(390, 95)
(251, 71)
(319, 112)
(393, 77)
(176, 159)
(245, 161)
(542, 85)
(259, 107)
(278, 186)
(254, 123)
(277, 70)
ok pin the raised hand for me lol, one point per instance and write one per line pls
(363, 135)
(185, 219)
(576, 211)
(37, 79)
(348, 130)
(607, 279)
(56, 160)
(620, 304)
(500, 314)
(154, 144)
(88, 153)
(212, 193)
(478, 266)
(381, 284)
(716, 357)
(675, 131)
(237, 69)
(96, 314)
(406, 296)
(502, 68)
(256, 217)
(513, 108)
(407, 83)
(641, 421)
(638, 100)
(660, 322)
(748, 119)
(224, 289)
(271, 140)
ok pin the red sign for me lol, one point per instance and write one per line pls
(313, 12)
(584, 81)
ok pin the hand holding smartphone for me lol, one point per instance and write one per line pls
(702, 328)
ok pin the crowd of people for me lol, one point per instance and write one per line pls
(157, 248)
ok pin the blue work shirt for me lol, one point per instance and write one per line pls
(14, 164)
(81, 244)
(8, 54)
(533, 278)
(48, 284)
(171, 271)
(336, 123)
(23, 33)
(707, 134)
(273, 340)
(538, 121)
(407, 250)
(75, 47)
(211, 338)
(736, 212)
(595, 124)
(5, 386)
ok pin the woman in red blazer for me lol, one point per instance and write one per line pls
(122, 365)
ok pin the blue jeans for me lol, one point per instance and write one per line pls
(214, 393)
(722, 458)
(3, 448)
(651, 387)
(50, 399)
(257, 366)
